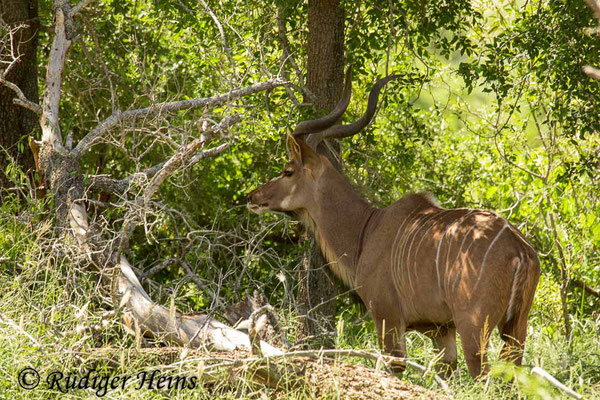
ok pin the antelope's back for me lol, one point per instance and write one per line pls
(444, 259)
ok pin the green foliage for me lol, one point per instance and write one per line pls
(493, 111)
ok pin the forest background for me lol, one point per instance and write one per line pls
(493, 110)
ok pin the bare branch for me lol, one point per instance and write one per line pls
(9, 50)
(591, 72)
(159, 267)
(509, 161)
(50, 106)
(595, 6)
(119, 117)
(186, 153)
(537, 371)
(195, 330)
(76, 9)
(21, 99)
(180, 158)
(584, 286)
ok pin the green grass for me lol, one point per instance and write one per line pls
(53, 317)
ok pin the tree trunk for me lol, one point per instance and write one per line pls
(16, 121)
(316, 287)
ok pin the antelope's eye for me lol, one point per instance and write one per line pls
(288, 172)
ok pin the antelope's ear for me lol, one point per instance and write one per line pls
(294, 149)
(309, 156)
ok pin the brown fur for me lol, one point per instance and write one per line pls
(415, 265)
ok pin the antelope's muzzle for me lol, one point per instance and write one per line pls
(256, 201)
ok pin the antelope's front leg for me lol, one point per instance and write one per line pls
(392, 341)
(444, 341)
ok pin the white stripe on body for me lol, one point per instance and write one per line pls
(462, 243)
(437, 259)
(456, 224)
(423, 224)
(400, 253)
(396, 250)
(410, 231)
(486, 254)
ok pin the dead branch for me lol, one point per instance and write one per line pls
(50, 105)
(119, 117)
(76, 9)
(186, 153)
(9, 47)
(104, 183)
(159, 267)
(591, 72)
(21, 99)
(196, 330)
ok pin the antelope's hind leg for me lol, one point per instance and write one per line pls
(475, 330)
(514, 333)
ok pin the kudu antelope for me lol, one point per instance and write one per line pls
(415, 265)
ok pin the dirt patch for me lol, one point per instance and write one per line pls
(317, 378)
(350, 381)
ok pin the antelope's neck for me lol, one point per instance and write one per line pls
(338, 219)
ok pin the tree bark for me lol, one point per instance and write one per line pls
(16, 121)
(325, 78)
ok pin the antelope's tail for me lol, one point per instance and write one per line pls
(525, 279)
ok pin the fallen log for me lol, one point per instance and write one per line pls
(190, 330)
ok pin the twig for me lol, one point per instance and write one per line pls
(554, 382)
(158, 268)
(584, 286)
(76, 9)
(10, 323)
(221, 33)
(185, 154)
(21, 99)
(104, 183)
(192, 275)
